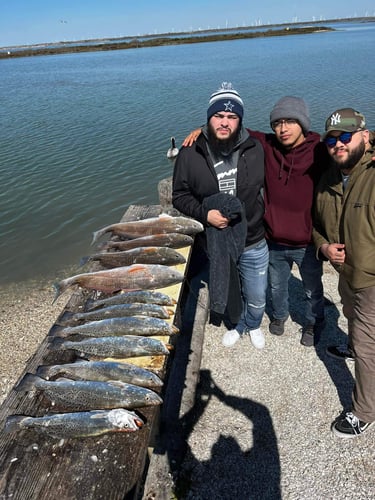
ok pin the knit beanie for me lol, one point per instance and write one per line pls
(292, 107)
(225, 99)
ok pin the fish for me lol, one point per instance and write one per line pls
(126, 346)
(164, 223)
(134, 277)
(101, 371)
(90, 394)
(140, 255)
(119, 311)
(78, 424)
(140, 296)
(171, 240)
(113, 327)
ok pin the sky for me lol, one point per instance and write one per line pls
(28, 22)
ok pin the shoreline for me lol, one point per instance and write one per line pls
(134, 43)
(27, 314)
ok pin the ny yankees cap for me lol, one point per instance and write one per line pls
(225, 99)
(345, 120)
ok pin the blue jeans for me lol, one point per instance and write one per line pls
(311, 270)
(252, 266)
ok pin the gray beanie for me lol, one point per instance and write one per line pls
(292, 107)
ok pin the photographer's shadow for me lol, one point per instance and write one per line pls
(231, 472)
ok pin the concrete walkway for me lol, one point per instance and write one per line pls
(260, 427)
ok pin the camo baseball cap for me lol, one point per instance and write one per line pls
(345, 120)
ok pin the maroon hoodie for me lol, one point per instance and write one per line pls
(289, 187)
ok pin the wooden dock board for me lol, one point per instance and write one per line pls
(106, 467)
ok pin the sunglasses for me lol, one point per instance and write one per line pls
(345, 138)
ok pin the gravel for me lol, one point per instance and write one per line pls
(261, 423)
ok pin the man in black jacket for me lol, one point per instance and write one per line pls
(226, 160)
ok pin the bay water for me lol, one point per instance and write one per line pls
(83, 136)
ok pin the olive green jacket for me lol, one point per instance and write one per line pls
(349, 217)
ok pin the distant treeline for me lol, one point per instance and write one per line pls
(156, 42)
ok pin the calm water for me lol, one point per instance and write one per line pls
(83, 136)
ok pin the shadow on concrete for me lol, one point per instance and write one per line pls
(230, 472)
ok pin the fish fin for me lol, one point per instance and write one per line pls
(27, 383)
(165, 216)
(13, 423)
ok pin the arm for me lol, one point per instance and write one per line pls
(184, 196)
(192, 137)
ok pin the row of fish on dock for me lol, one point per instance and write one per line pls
(99, 391)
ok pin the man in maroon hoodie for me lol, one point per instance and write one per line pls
(294, 157)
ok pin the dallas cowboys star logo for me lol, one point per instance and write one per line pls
(228, 106)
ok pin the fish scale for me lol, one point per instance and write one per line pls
(91, 395)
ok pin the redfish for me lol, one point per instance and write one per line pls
(77, 425)
(171, 240)
(134, 277)
(140, 255)
(154, 225)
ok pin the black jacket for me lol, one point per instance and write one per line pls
(194, 179)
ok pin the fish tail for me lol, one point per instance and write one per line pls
(84, 260)
(60, 288)
(13, 423)
(97, 234)
(44, 371)
(56, 343)
(27, 383)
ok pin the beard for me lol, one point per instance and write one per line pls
(353, 158)
(222, 146)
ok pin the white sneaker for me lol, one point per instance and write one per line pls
(230, 338)
(257, 338)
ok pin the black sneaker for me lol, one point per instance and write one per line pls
(276, 327)
(340, 352)
(349, 426)
(307, 338)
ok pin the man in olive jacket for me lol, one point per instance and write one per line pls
(344, 234)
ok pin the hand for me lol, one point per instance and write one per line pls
(214, 218)
(192, 137)
(335, 252)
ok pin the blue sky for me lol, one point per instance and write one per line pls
(37, 21)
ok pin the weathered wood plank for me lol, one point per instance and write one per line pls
(109, 466)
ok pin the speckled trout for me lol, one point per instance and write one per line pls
(140, 255)
(171, 240)
(89, 394)
(126, 346)
(140, 296)
(118, 311)
(154, 225)
(77, 425)
(101, 371)
(134, 277)
(113, 327)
